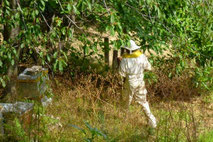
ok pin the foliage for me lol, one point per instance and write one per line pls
(46, 29)
(17, 131)
(38, 127)
(94, 132)
(97, 100)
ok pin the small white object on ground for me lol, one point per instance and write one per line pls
(45, 101)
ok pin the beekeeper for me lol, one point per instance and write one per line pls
(132, 66)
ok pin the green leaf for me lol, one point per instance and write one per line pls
(14, 51)
(89, 6)
(12, 62)
(70, 32)
(119, 26)
(95, 131)
(65, 55)
(69, 7)
(7, 2)
(112, 19)
(22, 45)
(55, 55)
(42, 2)
(59, 21)
(60, 66)
(48, 58)
(36, 12)
(9, 55)
(107, 28)
(17, 16)
(75, 10)
(112, 31)
(55, 65)
(64, 63)
(63, 30)
(74, 126)
(3, 82)
(86, 50)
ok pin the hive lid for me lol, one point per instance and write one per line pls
(32, 74)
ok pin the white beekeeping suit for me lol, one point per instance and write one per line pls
(132, 68)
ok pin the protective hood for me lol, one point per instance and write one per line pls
(132, 46)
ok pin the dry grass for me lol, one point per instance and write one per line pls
(182, 114)
(179, 87)
(97, 100)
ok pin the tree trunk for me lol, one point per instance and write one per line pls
(11, 33)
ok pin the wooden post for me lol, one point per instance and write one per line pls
(12, 33)
(106, 50)
(122, 49)
(115, 61)
(1, 124)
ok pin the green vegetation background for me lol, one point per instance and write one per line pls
(176, 33)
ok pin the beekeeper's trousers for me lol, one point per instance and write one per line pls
(135, 88)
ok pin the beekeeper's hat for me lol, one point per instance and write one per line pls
(132, 46)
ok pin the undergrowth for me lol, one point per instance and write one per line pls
(90, 107)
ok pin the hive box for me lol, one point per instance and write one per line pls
(23, 109)
(32, 83)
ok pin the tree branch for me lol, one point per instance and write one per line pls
(143, 15)
(108, 10)
(74, 23)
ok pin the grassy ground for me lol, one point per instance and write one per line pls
(92, 108)
(89, 110)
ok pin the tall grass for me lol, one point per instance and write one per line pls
(206, 137)
(92, 108)
(97, 100)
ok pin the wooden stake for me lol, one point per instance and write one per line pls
(106, 50)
